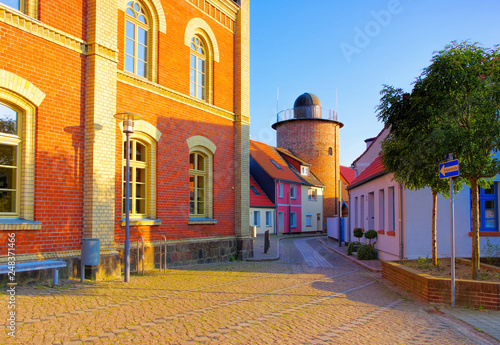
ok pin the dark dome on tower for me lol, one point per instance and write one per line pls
(307, 106)
(306, 100)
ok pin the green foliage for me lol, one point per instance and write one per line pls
(370, 234)
(351, 245)
(453, 108)
(367, 252)
(491, 253)
(358, 232)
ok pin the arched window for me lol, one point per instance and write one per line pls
(139, 172)
(10, 151)
(201, 161)
(198, 76)
(330, 151)
(137, 39)
(197, 184)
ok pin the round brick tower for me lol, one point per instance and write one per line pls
(312, 134)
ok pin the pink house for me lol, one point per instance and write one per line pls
(280, 183)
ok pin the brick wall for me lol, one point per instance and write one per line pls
(74, 62)
(468, 293)
(310, 140)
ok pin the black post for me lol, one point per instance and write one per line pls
(267, 241)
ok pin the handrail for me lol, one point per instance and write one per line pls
(165, 254)
(142, 239)
(307, 112)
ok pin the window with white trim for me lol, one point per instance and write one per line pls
(197, 184)
(198, 68)
(10, 158)
(293, 220)
(312, 194)
(308, 219)
(137, 39)
(256, 218)
(139, 171)
(269, 218)
(304, 170)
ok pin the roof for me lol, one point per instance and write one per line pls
(369, 146)
(261, 199)
(349, 174)
(309, 179)
(272, 162)
(374, 170)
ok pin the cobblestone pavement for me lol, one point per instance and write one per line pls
(300, 299)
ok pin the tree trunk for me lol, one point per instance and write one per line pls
(434, 230)
(475, 228)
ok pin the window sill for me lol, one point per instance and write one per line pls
(201, 220)
(487, 234)
(19, 224)
(391, 233)
(141, 221)
(381, 232)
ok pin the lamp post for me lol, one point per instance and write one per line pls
(128, 128)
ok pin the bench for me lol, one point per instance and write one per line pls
(35, 266)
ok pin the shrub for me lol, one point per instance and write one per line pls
(367, 252)
(350, 247)
(358, 232)
(491, 253)
(370, 234)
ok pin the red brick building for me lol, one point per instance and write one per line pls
(66, 68)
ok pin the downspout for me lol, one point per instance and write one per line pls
(349, 216)
(276, 198)
(401, 223)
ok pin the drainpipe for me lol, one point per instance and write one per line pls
(401, 223)
(349, 216)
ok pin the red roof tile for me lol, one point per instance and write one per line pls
(348, 173)
(260, 199)
(264, 155)
(375, 169)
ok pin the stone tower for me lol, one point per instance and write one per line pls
(312, 134)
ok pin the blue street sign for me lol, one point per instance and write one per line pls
(449, 169)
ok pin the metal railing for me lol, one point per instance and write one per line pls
(310, 112)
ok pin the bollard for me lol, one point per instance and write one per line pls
(267, 241)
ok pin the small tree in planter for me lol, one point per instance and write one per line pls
(366, 252)
(370, 234)
(358, 232)
(353, 246)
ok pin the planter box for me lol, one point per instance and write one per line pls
(468, 293)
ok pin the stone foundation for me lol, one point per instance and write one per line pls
(178, 254)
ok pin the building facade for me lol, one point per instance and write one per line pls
(311, 133)
(71, 65)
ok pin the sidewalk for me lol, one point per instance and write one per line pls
(487, 321)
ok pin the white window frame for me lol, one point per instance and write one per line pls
(269, 218)
(309, 220)
(256, 218)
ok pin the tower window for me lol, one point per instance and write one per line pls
(330, 151)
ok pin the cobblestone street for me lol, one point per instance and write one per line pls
(310, 296)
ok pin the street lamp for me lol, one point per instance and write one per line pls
(128, 128)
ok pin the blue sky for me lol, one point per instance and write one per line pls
(351, 47)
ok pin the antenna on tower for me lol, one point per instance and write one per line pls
(277, 99)
(336, 102)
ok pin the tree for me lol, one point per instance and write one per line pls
(413, 146)
(462, 90)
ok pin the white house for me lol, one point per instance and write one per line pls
(402, 217)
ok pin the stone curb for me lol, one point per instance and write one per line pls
(351, 258)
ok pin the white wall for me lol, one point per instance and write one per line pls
(262, 228)
(311, 207)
